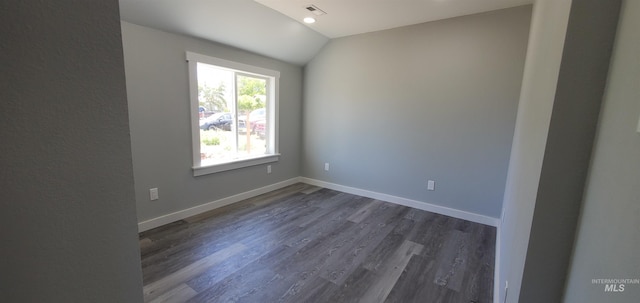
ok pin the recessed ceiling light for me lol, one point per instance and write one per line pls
(309, 20)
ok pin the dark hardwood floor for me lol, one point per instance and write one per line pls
(309, 244)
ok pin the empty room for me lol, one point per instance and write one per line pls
(320, 151)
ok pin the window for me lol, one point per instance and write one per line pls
(233, 113)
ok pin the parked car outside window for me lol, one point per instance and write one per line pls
(255, 116)
(260, 129)
(222, 121)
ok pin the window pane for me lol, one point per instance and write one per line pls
(216, 105)
(224, 95)
(252, 104)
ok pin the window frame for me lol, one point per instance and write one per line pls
(271, 111)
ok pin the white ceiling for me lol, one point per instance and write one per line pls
(350, 17)
(243, 24)
(274, 28)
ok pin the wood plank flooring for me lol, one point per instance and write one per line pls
(308, 244)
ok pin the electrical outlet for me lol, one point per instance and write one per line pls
(153, 194)
(326, 166)
(268, 169)
(431, 185)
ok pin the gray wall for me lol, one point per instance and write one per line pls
(67, 200)
(391, 109)
(541, 218)
(157, 88)
(544, 54)
(608, 236)
(578, 99)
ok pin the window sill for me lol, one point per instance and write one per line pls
(240, 163)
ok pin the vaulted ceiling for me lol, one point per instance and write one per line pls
(274, 28)
(339, 18)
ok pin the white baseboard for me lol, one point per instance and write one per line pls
(460, 214)
(182, 214)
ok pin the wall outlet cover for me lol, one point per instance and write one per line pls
(153, 194)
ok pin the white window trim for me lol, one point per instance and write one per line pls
(198, 169)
